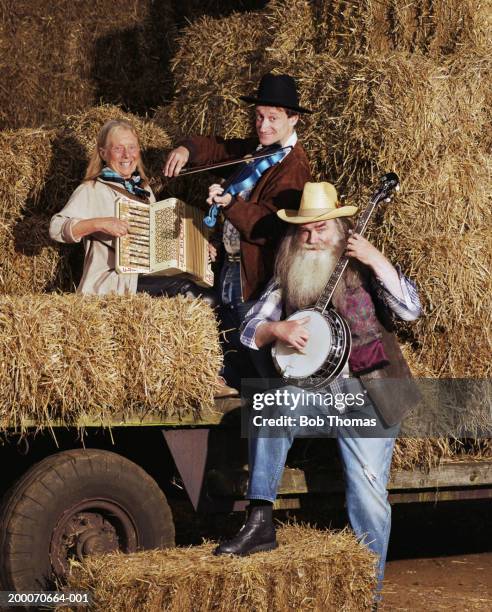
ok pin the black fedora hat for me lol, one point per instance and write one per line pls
(277, 90)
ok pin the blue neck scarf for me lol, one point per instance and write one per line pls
(131, 184)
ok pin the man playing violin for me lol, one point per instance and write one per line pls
(251, 231)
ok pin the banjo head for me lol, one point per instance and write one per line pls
(293, 364)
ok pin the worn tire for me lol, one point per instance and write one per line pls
(124, 507)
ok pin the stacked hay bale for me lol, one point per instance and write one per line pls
(371, 27)
(40, 170)
(66, 357)
(311, 570)
(63, 57)
(410, 112)
(395, 85)
(427, 121)
(29, 261)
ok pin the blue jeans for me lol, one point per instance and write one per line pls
(366, 464)
(240, 362)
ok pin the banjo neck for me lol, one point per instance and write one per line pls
(360, 227)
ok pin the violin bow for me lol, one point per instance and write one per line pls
(248, 159)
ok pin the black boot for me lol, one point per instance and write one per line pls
(256, 535)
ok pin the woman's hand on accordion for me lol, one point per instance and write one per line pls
(107, 225)
(212, 252)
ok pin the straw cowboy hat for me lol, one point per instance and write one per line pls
(277, 90)
(319, 202)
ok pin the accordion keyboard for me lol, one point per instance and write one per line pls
(135, 246)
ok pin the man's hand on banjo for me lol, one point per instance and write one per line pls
(361, 249)
(292, 333)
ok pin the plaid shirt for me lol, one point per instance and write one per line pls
(269, 306)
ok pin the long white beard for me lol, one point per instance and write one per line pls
(303, 270)
(307, 276)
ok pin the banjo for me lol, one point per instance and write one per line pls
(328, 347)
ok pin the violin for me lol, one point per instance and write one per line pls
(247, 175)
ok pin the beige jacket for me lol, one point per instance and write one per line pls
(94, 199)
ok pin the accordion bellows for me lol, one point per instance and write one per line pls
(66, 357)
(165, 238)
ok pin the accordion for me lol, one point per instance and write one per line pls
(164, 238)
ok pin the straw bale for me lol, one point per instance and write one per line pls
(211, 72)
(292, 29)
(57, 357)
(425, 453)
(453, 338)
(104, 358)
(62, 57)
(425, 119)
(168, 352)
(26, 159)
(190, 10)
(31, 262)
(311, 570)
(442, 216)
(373, 27)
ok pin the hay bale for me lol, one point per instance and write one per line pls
(311, 570)
(426, 453)
(292, 27)
(208, 84)
(210, 74)
(168, 351)
(452, 339)
(62, 57)
(58, 65)
(30, 262)
(26, 160)
(57, 357)
(374, 27)
(65, 357)
(443, 213)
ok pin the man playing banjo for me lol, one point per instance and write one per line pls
(370, 289)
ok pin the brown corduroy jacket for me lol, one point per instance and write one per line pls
(260, 229)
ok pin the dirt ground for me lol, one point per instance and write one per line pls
(459, 583)
(440, 558)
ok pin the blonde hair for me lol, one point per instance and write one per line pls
(96, 162)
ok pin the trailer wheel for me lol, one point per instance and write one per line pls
(76, 503)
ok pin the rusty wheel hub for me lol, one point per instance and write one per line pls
(94, 526)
